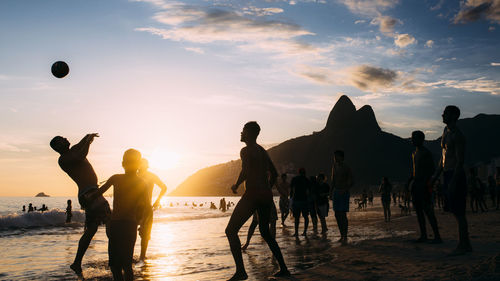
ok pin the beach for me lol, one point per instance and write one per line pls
(399, 258)
(189, 243)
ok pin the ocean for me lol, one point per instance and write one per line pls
(187, 242)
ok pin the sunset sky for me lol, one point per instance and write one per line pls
(178, 79)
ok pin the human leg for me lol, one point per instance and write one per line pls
(264, 213)
(83, 244)
(243, 210)
(305, 214)
(251, 230)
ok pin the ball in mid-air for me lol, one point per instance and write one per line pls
(60, 69)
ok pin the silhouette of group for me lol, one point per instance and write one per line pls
(303, 196)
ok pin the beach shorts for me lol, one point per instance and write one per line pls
(273, 216)
(284, 205)
(300, 207)
(323, 210)
(341, 201)
(312, 208)
(455, 200)
(146, 225)
(96, 207)
(122, 235)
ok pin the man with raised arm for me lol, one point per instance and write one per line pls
(73, 161)
(259, 175)
(147, 223)
(451, 165)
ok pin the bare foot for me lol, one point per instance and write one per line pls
(77, 269)
(238, 276)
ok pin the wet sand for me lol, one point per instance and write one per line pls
(399, 258)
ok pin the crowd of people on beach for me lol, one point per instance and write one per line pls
(303, 197)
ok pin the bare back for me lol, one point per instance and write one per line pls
(79, 170)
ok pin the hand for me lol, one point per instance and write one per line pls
(234, 188)
(156, 205)
(92, 136)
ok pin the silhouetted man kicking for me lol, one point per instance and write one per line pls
(259, 175)
(451, 165)
(421, 188)
(147, 223)
(74, 162)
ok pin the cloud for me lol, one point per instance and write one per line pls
(315, 74)
(6, 147)
(429, 43)
(386, 24)
(495, 64)
(473, 10)
(368, 7)
(360, 21)
(438, 5)
(203, 25)
(403, 40)
(481, 84)
(369, 78)
(255, 11)
(195, 50)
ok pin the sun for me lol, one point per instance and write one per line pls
(162, 159)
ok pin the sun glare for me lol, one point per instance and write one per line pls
(162, 159)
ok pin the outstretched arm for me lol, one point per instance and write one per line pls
(81, 149)
(163, 187)
(107, 185)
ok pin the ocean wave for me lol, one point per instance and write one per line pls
(54, 217)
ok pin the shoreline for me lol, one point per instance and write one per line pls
(399, 258)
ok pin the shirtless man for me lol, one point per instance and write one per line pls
(451, 165)
(74, 162)
(259, 175)
(284, 191)
(147, 223)
(421, 188)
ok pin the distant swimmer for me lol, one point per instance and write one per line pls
(130, 198)
(341, 185)
(259, 174)
(24, 208)
(147, 223)
(451, 165)
(30, 208)
(43, 208)
(73, 161)
(223, 205)
(284, 190)
(299, 193)
(69, 213)
(422, 169)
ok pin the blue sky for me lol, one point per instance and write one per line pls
(178, 79)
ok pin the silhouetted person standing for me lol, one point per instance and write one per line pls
(74, 162)
(284, 190)
(341, 185)
(69, 211)
(322, 202)
(422, 169)
(385, 190)
(497, 180)
(129, 206)
(491, 190)
(259, 174)
(147, 223)
(30, 208)
(299, 192)
(24, 208)
(451, 165)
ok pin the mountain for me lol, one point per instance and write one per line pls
(41, 194)
(370, 152)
